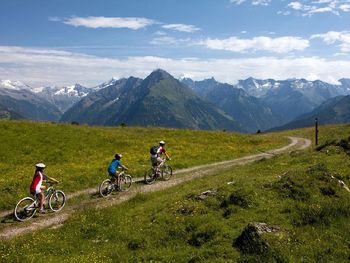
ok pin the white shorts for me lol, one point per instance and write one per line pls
(38, 189)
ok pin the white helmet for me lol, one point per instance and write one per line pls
(161, 142)
(40, 165)
(118, 156)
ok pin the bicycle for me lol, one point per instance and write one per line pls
(109, 185)
(28, 206)
(163, 171)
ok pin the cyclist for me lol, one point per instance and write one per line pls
(156, 159)
(36, 187)
(113, 167)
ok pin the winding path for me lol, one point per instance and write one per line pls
(57, 220)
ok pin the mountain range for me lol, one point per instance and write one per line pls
(158, 100)
(20, 102)
(161, 100)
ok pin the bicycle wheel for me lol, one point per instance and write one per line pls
(57, 200)
(125, 182)
(106, 188)
(150, 177)
(167, 172)
(25, 209)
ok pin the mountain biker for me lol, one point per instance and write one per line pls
(156, 158)
(36, 187)
(113, 167)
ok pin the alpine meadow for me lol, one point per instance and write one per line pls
(297, 192)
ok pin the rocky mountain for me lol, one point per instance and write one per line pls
(18, 100)
(345, 85)
(63, 97)
(334, 110)
(8, 114)
(158, 100)
(249, 111)
(294, 97)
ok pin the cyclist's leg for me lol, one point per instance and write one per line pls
(118, 181)
(41, 198)
(114, 178)
(160, 162)
(154, 163)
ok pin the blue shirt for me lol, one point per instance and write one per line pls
(112, 168)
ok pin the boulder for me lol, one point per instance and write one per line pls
(250, 241)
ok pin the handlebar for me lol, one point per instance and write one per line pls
(51, 182)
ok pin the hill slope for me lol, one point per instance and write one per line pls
(335, 110)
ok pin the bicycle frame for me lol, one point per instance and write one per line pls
(47, 192)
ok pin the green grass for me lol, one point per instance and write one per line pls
(293, 191)
(78, 156)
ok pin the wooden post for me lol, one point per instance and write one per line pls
(316, 131)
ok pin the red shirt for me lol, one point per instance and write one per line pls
(37, 180)
(160, 151)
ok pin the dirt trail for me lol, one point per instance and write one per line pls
(56, 220)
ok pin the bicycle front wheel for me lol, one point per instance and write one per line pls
(25, 209)
(150, 177)
(106, 188)
(125, 182)
(57, 200)
(167, 172)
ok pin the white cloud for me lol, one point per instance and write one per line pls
(310, 7)
(38, 67)
(107, 22)
(237, 2)
(345, 7)
(181, 27)
(261, 2)
(253, 2)
(164, 40)
(296, 5)
(160, 33)
(261, 43)
(331, 37)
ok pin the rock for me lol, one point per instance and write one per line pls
(250, 241)
(206, 194)
(342, 184)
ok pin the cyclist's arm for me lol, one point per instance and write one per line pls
(167, 156)
(48, 178)
(123, 167)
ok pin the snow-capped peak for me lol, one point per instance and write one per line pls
(14, 85)
(111, 82)
(75, 90)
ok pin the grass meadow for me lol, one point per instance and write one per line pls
(293, 191)
(78, 156)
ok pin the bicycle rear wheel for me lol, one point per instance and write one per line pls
(25, 209)
(106, 188)
(57, 200)
(167, 172)
(150, 176)
(125, 182)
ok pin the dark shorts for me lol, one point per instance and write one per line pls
(113, 175)
(156, 161)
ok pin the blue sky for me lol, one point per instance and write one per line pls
(62, 42)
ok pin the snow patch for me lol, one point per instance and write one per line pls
(14, 85)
